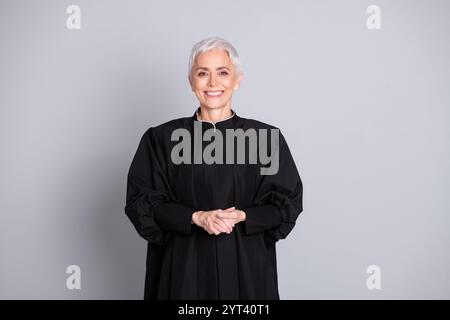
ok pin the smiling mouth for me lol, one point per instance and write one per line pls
(214, 93)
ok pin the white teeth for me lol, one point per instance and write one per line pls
(213, 93)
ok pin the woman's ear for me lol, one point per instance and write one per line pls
(238, 81)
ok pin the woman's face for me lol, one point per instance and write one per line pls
(214, 79)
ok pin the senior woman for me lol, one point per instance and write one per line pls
(210, 213)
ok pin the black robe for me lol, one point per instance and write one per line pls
(183, 260)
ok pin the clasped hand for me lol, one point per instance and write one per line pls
(218, 221)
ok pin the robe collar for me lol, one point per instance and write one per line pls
(224, 123)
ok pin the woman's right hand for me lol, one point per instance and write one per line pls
(211, 222)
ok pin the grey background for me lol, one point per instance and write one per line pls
(365, 113)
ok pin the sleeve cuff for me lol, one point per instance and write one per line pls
(171, 216)
(261, 218)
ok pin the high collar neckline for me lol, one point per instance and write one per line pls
(227, 122)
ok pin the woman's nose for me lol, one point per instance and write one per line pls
(212, 80)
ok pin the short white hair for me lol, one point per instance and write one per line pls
(214, 43)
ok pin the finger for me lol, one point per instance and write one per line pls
(224, 223)
(209, 230)
(228, 215)
(229, 209)
(207, 226)
(228, 222)
(212, 228)
(215, 230)
(221, 226)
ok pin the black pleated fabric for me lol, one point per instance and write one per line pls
(183, 260)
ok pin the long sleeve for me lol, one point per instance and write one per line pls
(278, 200)
(150, 204)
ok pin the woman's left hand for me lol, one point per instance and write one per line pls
(232, 215)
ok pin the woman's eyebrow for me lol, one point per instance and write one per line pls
(219, 68)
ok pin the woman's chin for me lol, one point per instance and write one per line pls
(214, 105)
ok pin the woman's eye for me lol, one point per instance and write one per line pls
(224, 73)
(200, 74)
